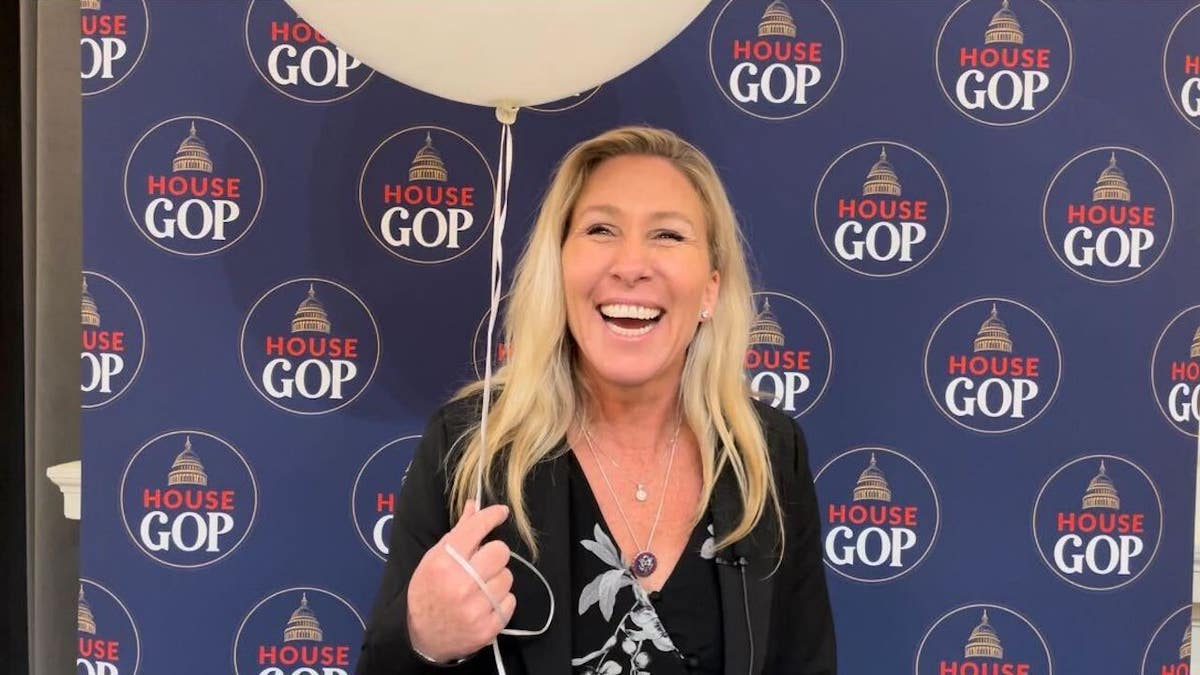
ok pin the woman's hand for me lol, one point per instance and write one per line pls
(448, 615)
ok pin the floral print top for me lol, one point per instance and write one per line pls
(620, 629)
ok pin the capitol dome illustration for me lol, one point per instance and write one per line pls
(428, 164)
(777, 21)
(1111, 186)
(187, 469)
(993, 335)
(872, 484)
(90, 314)
(192, 155)
(89, 4)
(310, 316)
(882, 179)
(87, 622)
(1196, 344)
(303, 624)
(766, 329)
(1185, 647)
(984, 643)
(1101, 492)
(1004, 28)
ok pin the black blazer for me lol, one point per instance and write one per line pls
(774, 624)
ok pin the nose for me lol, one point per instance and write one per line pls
(631, 262)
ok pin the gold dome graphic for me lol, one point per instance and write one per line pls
(303, 625)
(187, 469)
(766, 329)
(993, 335)
(89, 4)
(1196, 344)
(87, 622)
(984, 643)
(1101, 492)
(428, 164)
(192, 155)
(872, 484)
(882, 179)
(1004, 28)
(1111, 186)
(777, 21)
(1185, 648)
(90, 314)
(310, 316)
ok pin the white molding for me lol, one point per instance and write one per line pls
(68, 479)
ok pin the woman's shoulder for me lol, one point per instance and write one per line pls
(785, 439)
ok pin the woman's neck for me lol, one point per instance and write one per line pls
(633, 421)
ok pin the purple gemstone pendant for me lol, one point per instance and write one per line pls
(644, 564)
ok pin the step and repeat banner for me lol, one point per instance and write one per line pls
(975, 236)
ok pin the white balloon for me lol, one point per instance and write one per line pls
(500, 53)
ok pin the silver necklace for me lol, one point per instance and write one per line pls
(640, 494)
(645, 562)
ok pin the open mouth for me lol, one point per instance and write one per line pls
(630, 320)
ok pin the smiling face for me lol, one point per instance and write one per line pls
(636, 272)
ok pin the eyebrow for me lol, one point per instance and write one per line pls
(610, 210)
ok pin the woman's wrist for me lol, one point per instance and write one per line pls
(434, 662)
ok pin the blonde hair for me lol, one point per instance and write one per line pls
(538, 394)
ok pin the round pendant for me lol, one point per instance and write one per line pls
(644, 564)
(641, 493)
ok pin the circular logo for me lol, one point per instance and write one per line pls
(983, 639)
(426, 194)
(296, 631)
(776, 60)
(1170, 648)
(1181, 66)
(880, 514)
(1175, 370)
(992, 365)
(1003, 62)
(193, 186)
(790, 358)
(479, 341)
(1108, 214)
(108, 636)
(1097, 522)
(310, 346)
(376, 490)
(113, 37)
(295, 59)
(114, 340)
(881, 209)
(565, 104)
(188, 498)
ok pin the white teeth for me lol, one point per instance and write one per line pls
(630, 312)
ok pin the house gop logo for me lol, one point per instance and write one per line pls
(1175, 370)
(296, 60)
(193, 185)
(774, 59)
(298, 631)
(426, 194)
(114, 340)
(113, 37)
(983, 639)
(790, 357)
(108, 637)
(188, 498)
(310, 346)
(479, 341)
(992, 365)
(881, 209)
(1097, 522)
(1170, 648)
(1003, 62)
(1181, 66)
(880, 514)
(1108, 214)
(376, 489)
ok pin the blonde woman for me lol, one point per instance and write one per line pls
(672, 516)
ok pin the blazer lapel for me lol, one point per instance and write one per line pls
(742, 574)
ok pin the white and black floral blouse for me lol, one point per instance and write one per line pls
(619, 628)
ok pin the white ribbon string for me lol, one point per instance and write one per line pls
(499, 215)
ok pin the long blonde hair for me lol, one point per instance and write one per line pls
(538, 393)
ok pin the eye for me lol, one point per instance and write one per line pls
(670, 235)
(598, 228)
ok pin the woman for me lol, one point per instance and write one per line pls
(673, 517)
